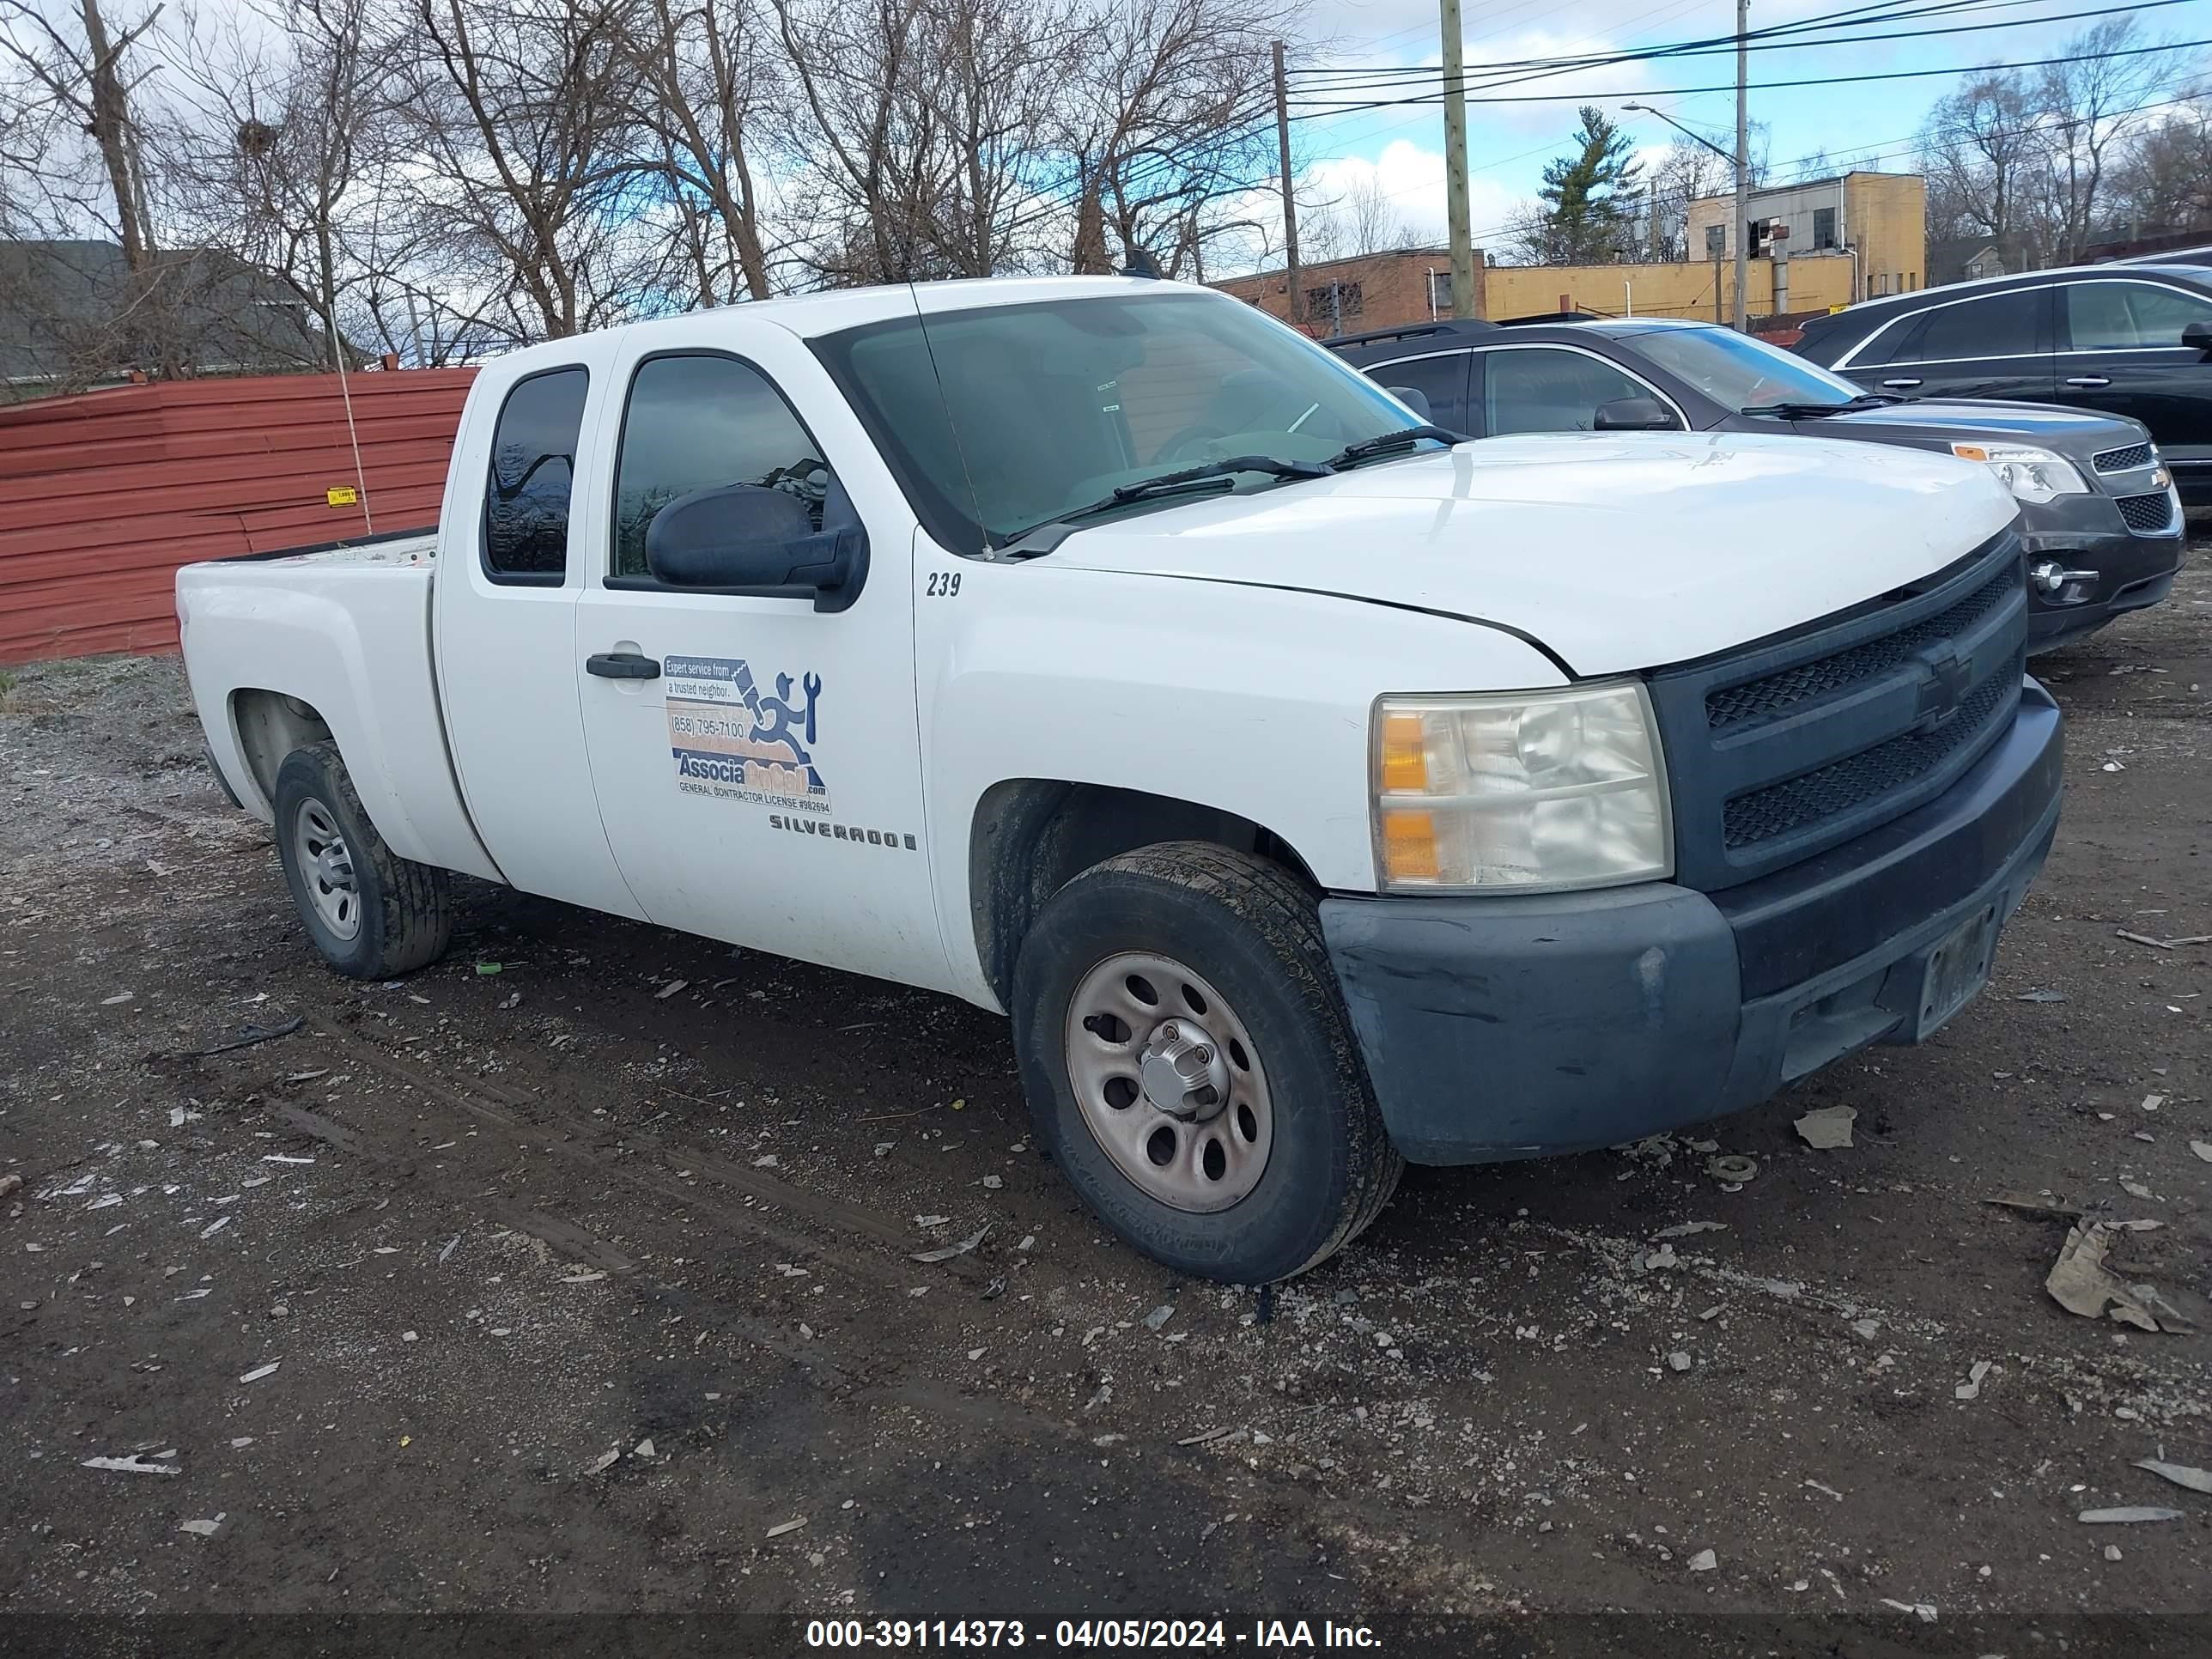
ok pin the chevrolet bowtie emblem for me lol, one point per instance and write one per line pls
(1943, 688)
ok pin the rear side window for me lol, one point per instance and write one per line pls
(697, 423)
(2001, 326)
(2131, 316)
(1540, 391)
(533, 473)
(1442, 380)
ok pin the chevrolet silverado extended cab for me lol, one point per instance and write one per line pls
(1314, 793)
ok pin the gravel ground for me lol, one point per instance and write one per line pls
(586, 1285)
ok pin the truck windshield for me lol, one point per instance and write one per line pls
(1740, 372)
(1002, 419)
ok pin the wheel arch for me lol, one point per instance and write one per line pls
(1028, 838)
(267, 726)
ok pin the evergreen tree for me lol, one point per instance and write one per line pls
(1589, 197)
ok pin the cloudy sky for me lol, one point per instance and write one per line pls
(1508, 143)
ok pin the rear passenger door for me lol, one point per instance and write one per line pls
(2121, 352)
(513, 535)
(1993, 345)
(1441, 376)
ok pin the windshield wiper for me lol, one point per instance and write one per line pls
(1209, 475)
(1367, 448)
(1818, 411)
(1169, 481)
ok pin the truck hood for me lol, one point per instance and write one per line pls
(1613, 551)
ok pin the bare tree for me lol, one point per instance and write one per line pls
(709, 79)
(519, 113)
(1361, 220)
(1981, 152)
(2087, 110)
(1685, 173)
(2163, 182)
(1166, 124)
(86, 80)
(271, 163)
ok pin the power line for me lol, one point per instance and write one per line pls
(1760, 86)
(1350, 76)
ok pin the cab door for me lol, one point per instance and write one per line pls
(756, 759)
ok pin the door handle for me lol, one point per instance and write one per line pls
(622, 665)
(2090, 380)
(1901, 386)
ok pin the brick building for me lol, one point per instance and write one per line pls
(1414, 285)
(1369, 290)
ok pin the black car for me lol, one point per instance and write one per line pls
(2099, 517)
(2126, 339)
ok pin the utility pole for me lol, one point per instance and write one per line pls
(1462, 234)
(1292, 289)
(1742, 163)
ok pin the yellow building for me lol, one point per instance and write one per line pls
(1872, 226)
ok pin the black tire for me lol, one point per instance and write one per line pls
(1249, 928)
(405, 909)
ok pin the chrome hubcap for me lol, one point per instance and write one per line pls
(1169, 1081)
(327, 867)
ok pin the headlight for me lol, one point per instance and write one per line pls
(1526, 791)
(2031, 474)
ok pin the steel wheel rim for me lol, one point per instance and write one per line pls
(325, 863)
(1193, 1154)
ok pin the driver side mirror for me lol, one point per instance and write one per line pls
(2197, 336)
(1413, 397)
(748, 539)
(1633, 415)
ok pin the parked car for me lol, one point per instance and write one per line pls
(2099, 521)
(2133, 340)
(1314, 792)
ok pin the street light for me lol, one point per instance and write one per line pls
(1737, 162)
(1646, 109)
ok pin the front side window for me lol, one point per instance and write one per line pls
(2131, 316)
(1540, 390)
(1002, 419)
(1442, 380)
(1737, 371)
(697, 422)
(533, 473)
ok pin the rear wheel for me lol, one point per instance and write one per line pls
(371, 913)
(1189, 1064)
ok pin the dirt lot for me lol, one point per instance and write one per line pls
(587, 1285)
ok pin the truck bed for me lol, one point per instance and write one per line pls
(345, 636)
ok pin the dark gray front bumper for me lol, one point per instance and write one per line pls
(1503, 1028)
(2085, 532)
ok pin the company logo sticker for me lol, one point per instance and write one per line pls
(732, 741)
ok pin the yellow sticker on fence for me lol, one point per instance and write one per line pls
(342, 495)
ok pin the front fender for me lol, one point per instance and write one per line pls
(1247, 700)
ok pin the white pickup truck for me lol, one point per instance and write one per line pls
(1314, 792)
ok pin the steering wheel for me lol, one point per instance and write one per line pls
(1193, 443)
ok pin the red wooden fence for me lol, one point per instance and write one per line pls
(104, 494)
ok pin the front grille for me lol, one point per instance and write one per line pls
(2122, 460)
(1781, 749)
(2146, 513)
(1843, 785)
(1762, 699)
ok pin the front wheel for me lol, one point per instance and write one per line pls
(1189, 1064)
(371, 913)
